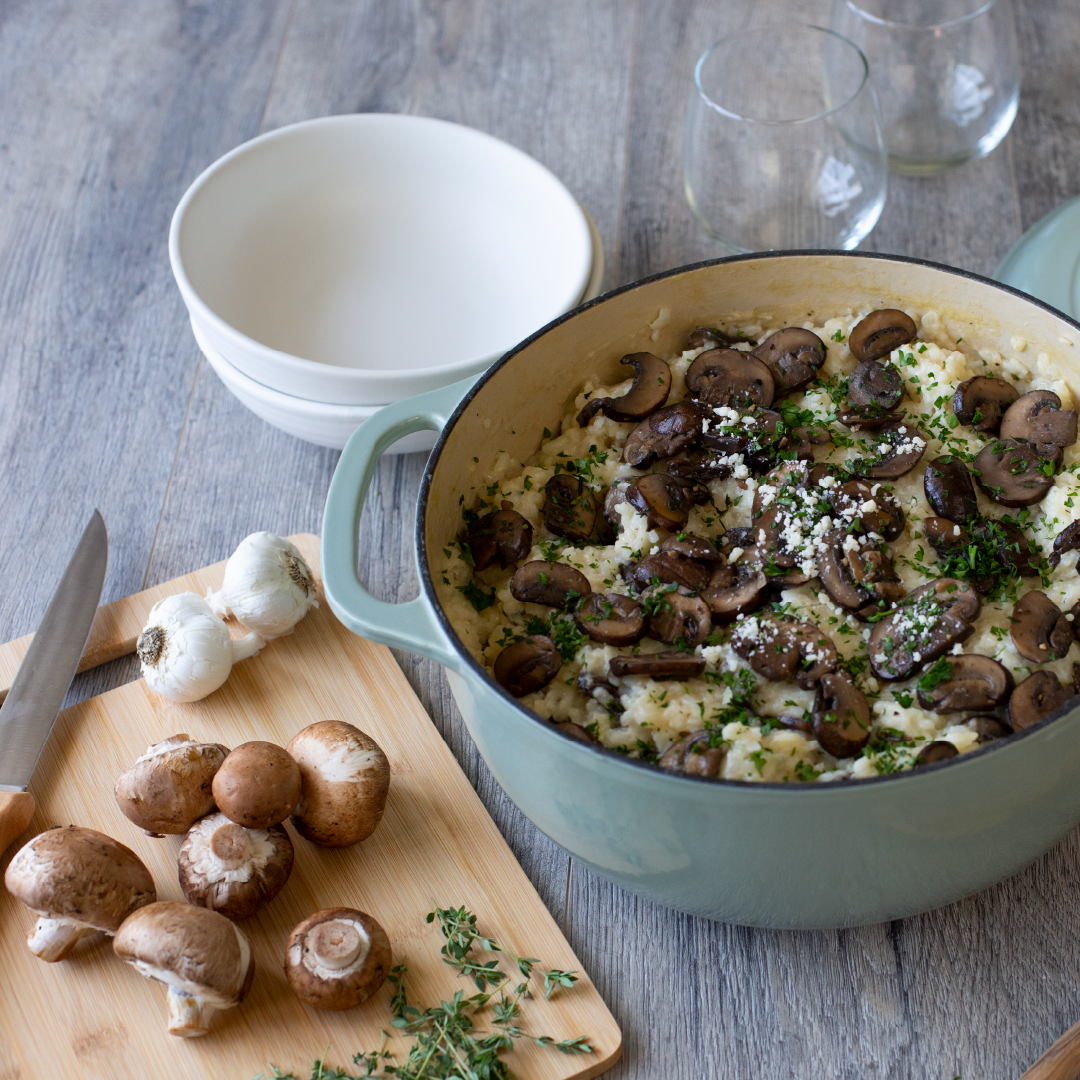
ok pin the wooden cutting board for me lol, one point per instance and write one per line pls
(93, 1016)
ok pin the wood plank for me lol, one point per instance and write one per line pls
(105, 1020)
(109, 112)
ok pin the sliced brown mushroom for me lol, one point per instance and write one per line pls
(1008, 544)
(1066, 540)
(730, 377)
(665, 433)
(768, 645)
(793, 356)
(863, 417)
(711, 336)
(975, 683)
(1040, 694)
(691, 546)
(938, 750)
(831, 558)
(666, 568)
(676, 617)
(734, 591)
(899, 449)
(866, 508)
(569, 509)
(981, 402)
(652, 384)
(988, 728)
(881, 332)
(504, 536)
(1038, 418)
(695, 755)
(700, 467)
(554, 584)
(1040, 632)
(1012, 473)
(527, 665)
(875, 386)
(662, 499)
(657, 665)
(778, 649)
(944, 535)
(949, 489)
(841, 716)
(926, 624)
(817, 654)
(611, 618)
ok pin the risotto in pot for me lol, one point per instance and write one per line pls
(790, 553)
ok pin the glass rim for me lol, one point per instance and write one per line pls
(877, 20)
(781, 26)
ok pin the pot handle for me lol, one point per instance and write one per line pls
(411, 625)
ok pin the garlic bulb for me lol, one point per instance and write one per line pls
(186, 650)
(268, 586)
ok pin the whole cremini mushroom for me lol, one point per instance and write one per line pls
(169, 788)
(258, 785)
(204, 959)
(337, 958)
(345, 778)
(77, 881)
(233, 870)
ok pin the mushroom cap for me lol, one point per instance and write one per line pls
(81, 876)
(793, 356)
(841, 716)
(346, 777)
(730, 377)
(258, 785)
(974, 682)
(1013, 473)
(527, 665)
(169, 788)
(1039, 630)
(232, 870)
(949, 489)
(880, 332)
(337, 958)
(611, 618)
(667, 568)
(875, 386)
(652, 384)
(552, 583)
(982, 401)
(1040, 694)
(503, 535)
(694, 755)
(193, 949)
(569, 507)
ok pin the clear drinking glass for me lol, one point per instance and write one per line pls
(947, 74)
(783, 146)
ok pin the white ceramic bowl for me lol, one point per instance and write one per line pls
(313, 421)
(360, 259)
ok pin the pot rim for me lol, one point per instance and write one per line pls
(612, 756)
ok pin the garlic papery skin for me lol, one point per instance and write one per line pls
(268, 586)
(186, 650)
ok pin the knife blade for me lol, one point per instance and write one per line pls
(34, 700)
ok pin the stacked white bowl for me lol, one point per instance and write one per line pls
(339, 265)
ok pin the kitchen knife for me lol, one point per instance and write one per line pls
(33, 702)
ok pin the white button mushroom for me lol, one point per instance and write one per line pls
(78, 881)
(268, 586)
(258, 785)
(337, 958)
(346, 778)
(168, 789)
(234, 870)
(203, 958)
(186, 650)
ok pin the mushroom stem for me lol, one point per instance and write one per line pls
(337, 944)
(53, 939)
(230, 844)
(189, 1016)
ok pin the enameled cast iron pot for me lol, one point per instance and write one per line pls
(771, 855)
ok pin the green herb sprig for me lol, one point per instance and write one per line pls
(446, 1042)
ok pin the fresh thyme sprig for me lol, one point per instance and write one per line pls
(446, 1044)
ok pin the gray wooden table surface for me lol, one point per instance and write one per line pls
(110, 108)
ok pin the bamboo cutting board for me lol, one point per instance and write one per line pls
(93, 1016)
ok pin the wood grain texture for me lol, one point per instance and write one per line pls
(105, 1020)
(1061, 1061)
(110, 109)
(16, 810)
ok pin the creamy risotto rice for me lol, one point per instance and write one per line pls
(727, 713)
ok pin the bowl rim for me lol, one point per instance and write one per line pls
(299, 366)
(966, 760)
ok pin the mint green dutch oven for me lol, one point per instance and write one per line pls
(772, 855)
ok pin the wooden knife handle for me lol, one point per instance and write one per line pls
(1061, 1061)
(16, 810)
